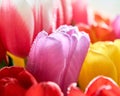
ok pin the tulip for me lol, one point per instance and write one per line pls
(15, 81)
(58, 57)
(49, 15)
(116, 26)
(16, 26)
(45, 89)
(103, 58)
(102, 86)
(99, 30)
(99, 86)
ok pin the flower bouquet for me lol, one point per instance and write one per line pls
(58, 48)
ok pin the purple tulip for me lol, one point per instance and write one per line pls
(58, 57)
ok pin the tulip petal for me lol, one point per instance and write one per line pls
(45, 89)
(102, 86)
(67, 11)
(50, 11)
(77, 53)
(16, 26)
(73, 90)
(116, 26)
(80, 11)
(14, 81)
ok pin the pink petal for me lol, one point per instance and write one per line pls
(116, 26)
(16, 26)
(52, 15)
(67, 11)
(80, 11)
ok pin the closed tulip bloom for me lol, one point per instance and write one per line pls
(103, 58)
(99, 86)
(16, 26)
(102, 86)
(58, 57)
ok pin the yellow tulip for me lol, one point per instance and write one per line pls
(103, 58)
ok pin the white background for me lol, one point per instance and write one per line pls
(108, 7)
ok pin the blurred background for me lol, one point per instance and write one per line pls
(107, 7)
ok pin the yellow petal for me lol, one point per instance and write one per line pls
(17, 61)
(95, 64)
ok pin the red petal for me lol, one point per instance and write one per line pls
(44, 89)
(73, 90)
(14, 81)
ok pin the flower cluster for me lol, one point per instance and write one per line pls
(58, 48)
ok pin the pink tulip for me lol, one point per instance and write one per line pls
(16, 26)
(50, 14)
(59, 56)
(116, 26)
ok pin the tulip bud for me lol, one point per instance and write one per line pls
(103, 58)
(59, 56)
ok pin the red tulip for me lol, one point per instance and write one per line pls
(102, 86)
(15, 81)
(16, 26)
(45, 89)
(99, 86)
(59, 56)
